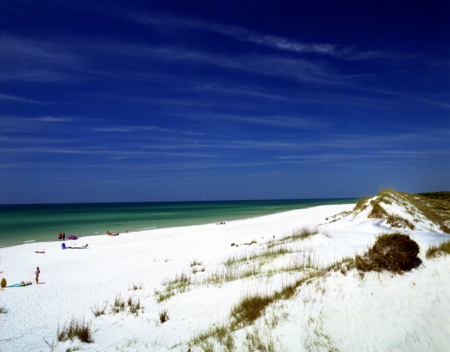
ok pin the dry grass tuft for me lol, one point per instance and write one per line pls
(437, 250)
(99, 310)
(399, 222)
(75, 329)
(163, 316)
(378, 212)
(362, 204)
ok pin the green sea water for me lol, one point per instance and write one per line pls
(44, 222)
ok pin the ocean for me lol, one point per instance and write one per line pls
(44, 222)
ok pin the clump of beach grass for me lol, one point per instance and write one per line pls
(163, 316)
(135, 287)
(118, 305)
(196, 262)
(267, 254)
(437, 250)
(3, 310)
(362, 204)
(179, 284)
(75, 329)
(98, 310)
(297, 235)
(397, 221)
(134, 305)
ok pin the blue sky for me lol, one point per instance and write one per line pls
(222, 100)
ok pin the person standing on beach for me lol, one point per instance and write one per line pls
(37, 275)
(60, 236)
(64, 236)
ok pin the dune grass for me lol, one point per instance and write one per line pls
(266, 255)
(361, 205)
(75, 329)
(118, 305)
(437, 250)
(435, 210)
(98, 310)
(435, 207)
(163, 316)
(297, 235)
(179, 284)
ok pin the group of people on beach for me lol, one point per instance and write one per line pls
(62, 236)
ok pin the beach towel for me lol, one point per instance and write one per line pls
(21, 284)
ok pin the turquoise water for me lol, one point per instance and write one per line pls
(20, 223)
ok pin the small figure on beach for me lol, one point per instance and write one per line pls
(37, 275)
(64, 236)
(60, 236)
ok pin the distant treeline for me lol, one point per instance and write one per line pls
(436, 195)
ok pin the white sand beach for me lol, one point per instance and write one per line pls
(340, 311)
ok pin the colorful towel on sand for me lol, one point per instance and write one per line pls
(21, 284)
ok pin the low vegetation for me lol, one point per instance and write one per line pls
(3, 310)
(399, 222)
(394, 252)
(98, 310)
(436, 195)
(135, 287)
(435, 210)
(434, 207)
(297, 235)
(163, 316)
(118, 305)
(246, 265)
(437, 250)
(195, 262)
(134, 305)
(75, 329)
(179, 284)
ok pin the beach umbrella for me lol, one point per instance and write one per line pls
(72, 237)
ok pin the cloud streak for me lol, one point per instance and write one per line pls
(271, 41)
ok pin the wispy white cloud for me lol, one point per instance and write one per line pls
(126, 129)
(280, 43)
(54, 119)
(14, 98)
(35, 60)
(281, 121)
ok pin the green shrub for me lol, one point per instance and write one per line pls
(394, 252)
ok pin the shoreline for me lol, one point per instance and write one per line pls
(176, 222)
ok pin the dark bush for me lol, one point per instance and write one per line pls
(394, 252)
